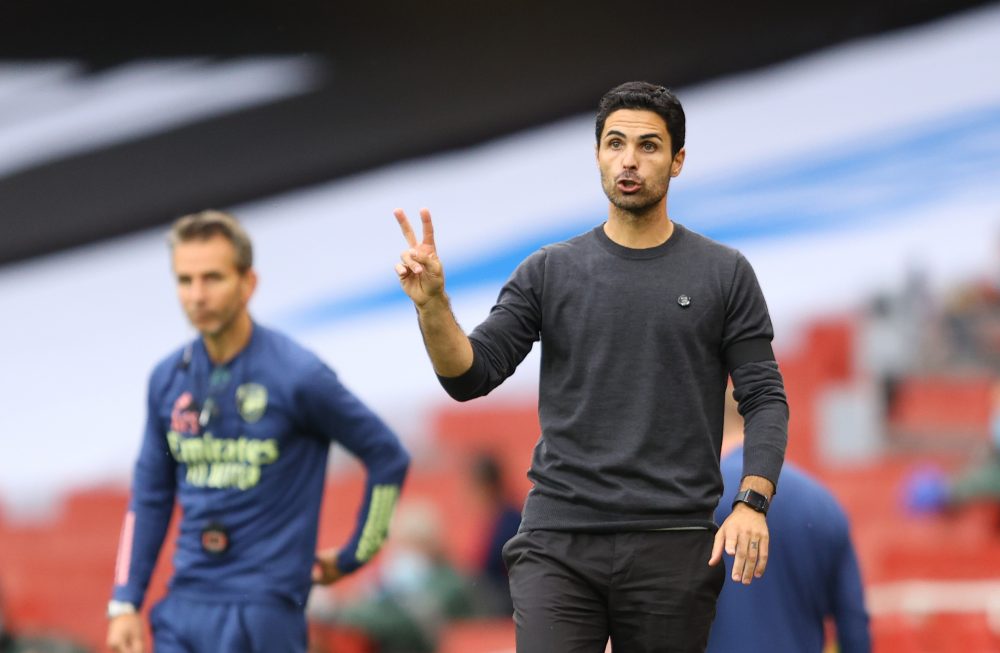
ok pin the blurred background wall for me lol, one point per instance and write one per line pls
(850, 150)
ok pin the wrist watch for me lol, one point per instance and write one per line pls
(754, 499)
(118, 608)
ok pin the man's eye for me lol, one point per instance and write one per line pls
(649, 147)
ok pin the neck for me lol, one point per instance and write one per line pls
(222, 347)
(639, 230)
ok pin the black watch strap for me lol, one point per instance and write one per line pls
(754, 499)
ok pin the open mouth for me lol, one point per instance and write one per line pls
(628, 185)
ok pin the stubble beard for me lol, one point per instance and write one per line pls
(638, 205)
(216, 328)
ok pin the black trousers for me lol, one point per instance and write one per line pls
(648, 591)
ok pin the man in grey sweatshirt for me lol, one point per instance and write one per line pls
(642, 321)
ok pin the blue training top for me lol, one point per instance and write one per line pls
(812, 573)
(243, 447)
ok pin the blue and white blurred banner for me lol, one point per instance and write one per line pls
(836, 174)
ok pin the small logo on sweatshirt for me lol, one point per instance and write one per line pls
(251, 400)
(683, 301)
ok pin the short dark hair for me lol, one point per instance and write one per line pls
(649, 97)
(206, 224)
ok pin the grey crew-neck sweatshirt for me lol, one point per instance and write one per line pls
(637, 346)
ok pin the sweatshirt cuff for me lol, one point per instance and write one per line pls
(128, 595)
(765, 462)
(470, 384)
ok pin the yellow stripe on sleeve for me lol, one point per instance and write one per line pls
(377, 525)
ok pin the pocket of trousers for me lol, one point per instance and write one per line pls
(515, 548)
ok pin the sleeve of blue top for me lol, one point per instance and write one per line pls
(334, 412)
(848, 600)
(150, 508)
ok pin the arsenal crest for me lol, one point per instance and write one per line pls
(251, 401)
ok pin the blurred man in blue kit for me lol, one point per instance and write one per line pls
(814, 575)
(238, 432)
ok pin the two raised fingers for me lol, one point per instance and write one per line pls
(411, 238)
(410, 263)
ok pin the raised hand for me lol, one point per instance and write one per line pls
(420, 272)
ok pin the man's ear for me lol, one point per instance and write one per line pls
(249, 284)
(678, 163)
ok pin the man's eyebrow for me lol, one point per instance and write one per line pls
(615, 132)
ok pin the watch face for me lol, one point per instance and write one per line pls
(760, 501)
(755, 500)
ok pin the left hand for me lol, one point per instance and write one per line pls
(744, 535)
(325, 571)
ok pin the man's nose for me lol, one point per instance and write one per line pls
(628, 159)
(197, 291)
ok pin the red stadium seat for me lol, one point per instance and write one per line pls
(478, 636)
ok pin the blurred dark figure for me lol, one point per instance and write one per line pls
(812, 576)
(982, 481)
(419, 591)
(972, 325)
(885, 353)
(895, 339)
(971, 322)
(493, 587)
